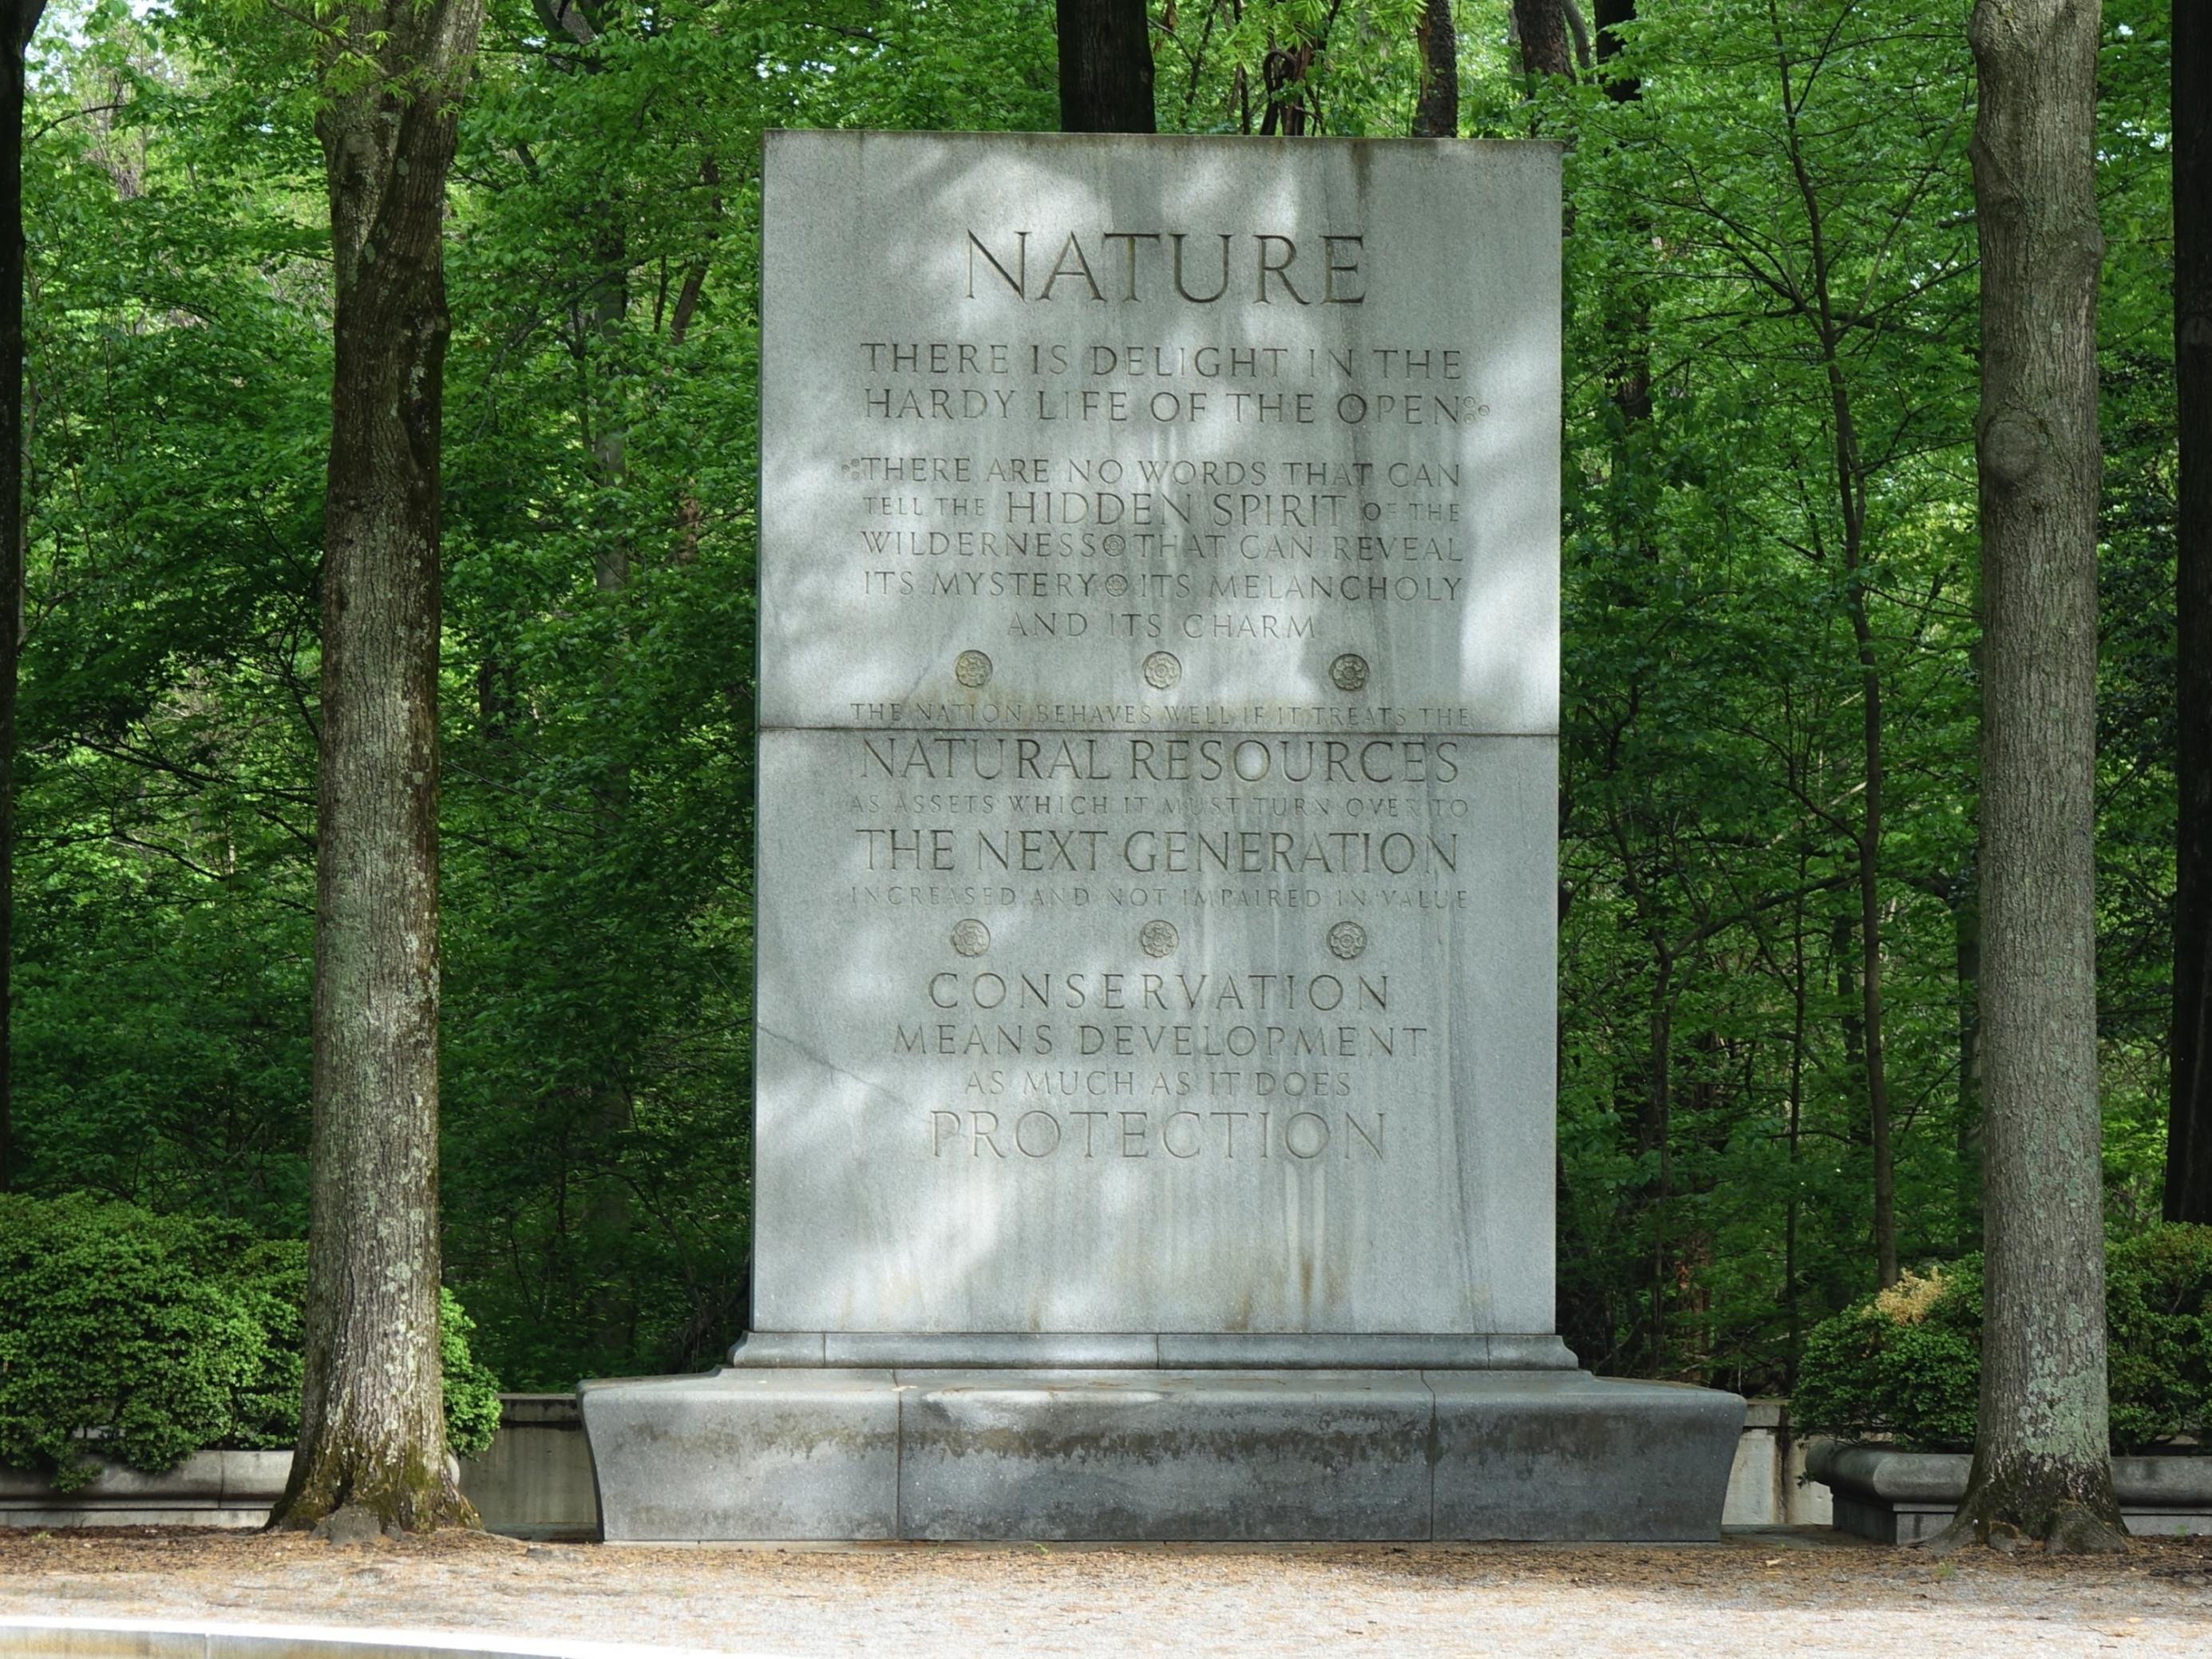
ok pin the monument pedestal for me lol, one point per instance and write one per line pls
(1188, 1452)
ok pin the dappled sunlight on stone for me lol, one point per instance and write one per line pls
(1158, 871)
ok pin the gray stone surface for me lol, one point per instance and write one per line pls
(1767, 1485)
(1165, 1455)
(1906, 1497)
(1564, 1455)
(1157, 908)
(234, 1489)
(1058, 443)
(789, 1454)
(534, 1480)
(1246, 1132)
(1382, 1350)
(971, 1349)
(1159, 692)
(1217, 1351)
(1159, 1454)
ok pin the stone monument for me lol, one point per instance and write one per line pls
(1157, 874)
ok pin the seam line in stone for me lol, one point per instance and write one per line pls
(898, 1458)
(1432, 1450)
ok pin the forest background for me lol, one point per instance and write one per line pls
(1768, 1083)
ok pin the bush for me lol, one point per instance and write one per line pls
(117, 1329)
(2157, 1301)
(1906, 1363)
(148, 1337)
(471, 1391)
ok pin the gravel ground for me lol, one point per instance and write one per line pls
(1802, 1594)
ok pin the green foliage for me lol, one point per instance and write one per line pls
(117, 1331)
(1715, 1156)
(1906, 1363)
(145, 1338)
(472, 1390)
(2158, 1300)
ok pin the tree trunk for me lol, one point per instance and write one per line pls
(1611, 15)
(1792, 1302)
(1967, 944)
(1657, 1140)
(372, 1422)
(1850, 506)
(2042, 1453)
(1436, 114)
(18, 18)
(2189, 1125)
(1105, 67)
(1541, 26)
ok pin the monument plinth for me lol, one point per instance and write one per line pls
(1157, 875)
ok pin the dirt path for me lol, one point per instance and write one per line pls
(1802, 1595)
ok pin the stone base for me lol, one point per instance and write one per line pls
(753, 1453)
(234, 1489)
(1908, 1497)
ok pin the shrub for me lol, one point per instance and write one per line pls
(471, 1391)
(149, 1337)
(117, 1331)
(2157, 1301)
(1906, 1363)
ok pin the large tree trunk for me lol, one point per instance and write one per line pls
(1105, 67)
(373, 1425)
(1436, 114)
(2042, 1465)
(1612, 16)
(18, 18)
(1542, 27)
(2189, 1125)
(1966, 952)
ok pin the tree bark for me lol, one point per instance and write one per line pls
(2188, 1123)
(1545, 47)
(1436, 114)
(2042, 1453)
(1105, 67)
(1850, 507)
(372, 1424)
(18, 18)
(1966, 949)
(1611, 15)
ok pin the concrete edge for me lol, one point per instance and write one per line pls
(1462, 1456)
(1149, 1350)
(155, 1638)
(1903, 1480)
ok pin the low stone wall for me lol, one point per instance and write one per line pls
(207, 1489)
(536, 1481)
(1905, 1498)
(1767, 1487)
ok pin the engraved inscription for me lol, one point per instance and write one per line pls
(1168, 1040)
(1158, 606)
